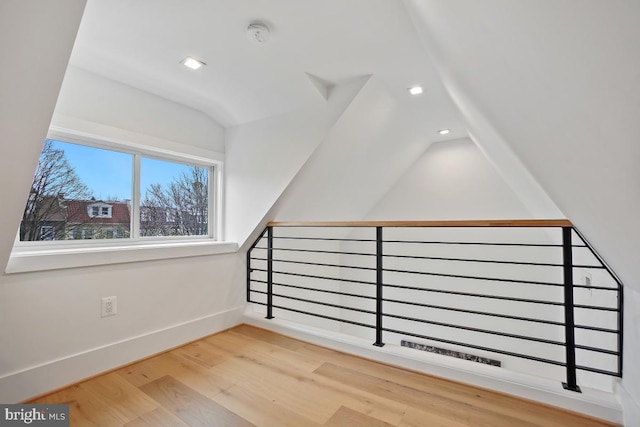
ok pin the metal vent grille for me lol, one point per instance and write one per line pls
(451, 353)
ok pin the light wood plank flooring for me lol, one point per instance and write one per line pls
(251, 377)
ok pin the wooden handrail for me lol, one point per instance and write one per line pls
(462, 223)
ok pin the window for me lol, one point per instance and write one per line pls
(83, 192)
(100, 209)
(47, 232)
(174, 197)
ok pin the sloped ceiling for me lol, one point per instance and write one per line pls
(364, 153)
(30, 78)
(140, 43)
(560, 82)
(263, 157)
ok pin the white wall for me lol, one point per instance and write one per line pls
(93, 98)
(55, 335)
(52, 332)
(450, 180)
(263, 157)
(29, 84)
(369, 147)
(630, 390)
(558, 81)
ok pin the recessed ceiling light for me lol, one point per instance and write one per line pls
(444, 131)
(194, 64)
(416, 90)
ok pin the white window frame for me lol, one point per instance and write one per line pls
(48, 255)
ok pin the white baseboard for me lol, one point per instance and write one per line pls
(594, 403)
(631, 409)
(36, 380)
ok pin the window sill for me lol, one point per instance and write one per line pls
(23, 261)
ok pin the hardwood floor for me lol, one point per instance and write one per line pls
(251, 377)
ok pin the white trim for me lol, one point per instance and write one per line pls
(37, 256)
(36, 380)
(591, 402)
(136, 197)
(630, 406)
(110, 143)
(72, 257)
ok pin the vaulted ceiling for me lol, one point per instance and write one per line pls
(312, 46)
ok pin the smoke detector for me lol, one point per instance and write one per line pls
(258, 33)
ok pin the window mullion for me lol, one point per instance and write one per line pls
(135, 203)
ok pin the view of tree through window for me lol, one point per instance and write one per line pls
(177, 208)
(82, 192)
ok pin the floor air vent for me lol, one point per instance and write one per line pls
(451, 353)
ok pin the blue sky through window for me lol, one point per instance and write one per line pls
(153, 171)
(109, 174)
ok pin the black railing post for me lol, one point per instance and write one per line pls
(569, 321)
(269, 272)
(378, 342)
(620, 327)
(249, 269)
(249, 274)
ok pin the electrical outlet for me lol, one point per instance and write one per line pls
(109, 306)
(586, 278)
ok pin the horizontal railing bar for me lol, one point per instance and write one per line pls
(469, 328)
(326, 304)
(549, 322)
(369, 283)
(541, 264)
(286, 285)
(451, 293)
(533, 245)
(321, 252)
(600, 288)
(597, 329)
(462, 223)
(332, 239)
(428, 242)
(599, 258)
(469, 294)
(598, 267)
(323, 264)
(311, 276)
(324, 316)
(449, 341)
(490, 261)
(461, 276)
(598, 350)
(462, 310)
(599, 371)
(593, 328)
(478, 347)
(592, 307)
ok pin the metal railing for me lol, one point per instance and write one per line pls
(470, 284)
